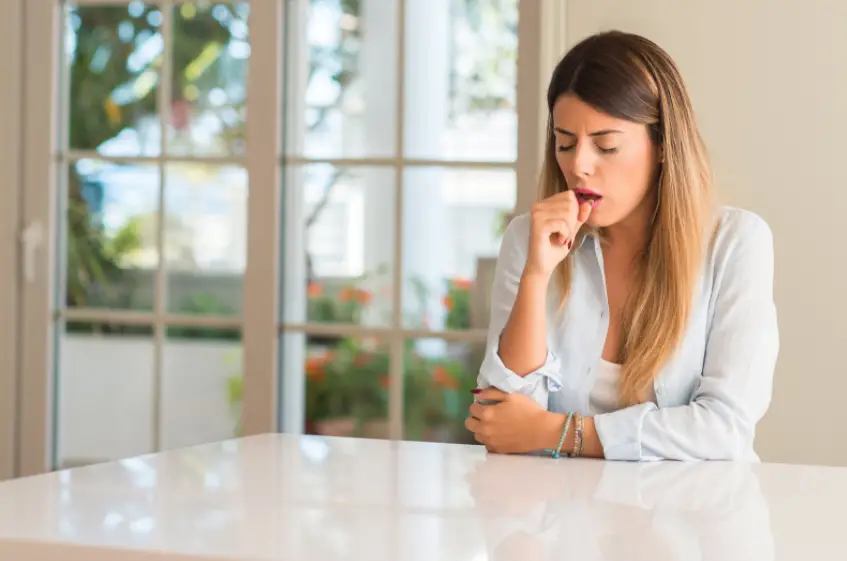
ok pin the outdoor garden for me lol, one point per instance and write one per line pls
(113, 81)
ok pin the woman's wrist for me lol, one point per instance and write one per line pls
(535, 279)
(550, 432)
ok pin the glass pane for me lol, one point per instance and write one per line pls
(210, 53)
(104, 379)
(453, 221)
(339, 245)
(201, 386)
(461, 79)
(346, 383)
(342, 83)
(205, 237)
(113, 55)
(439, 377)
(111, 222)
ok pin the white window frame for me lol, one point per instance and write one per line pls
(541, 42)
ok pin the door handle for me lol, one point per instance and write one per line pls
(31, 239)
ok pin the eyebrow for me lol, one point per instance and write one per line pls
(595, 133)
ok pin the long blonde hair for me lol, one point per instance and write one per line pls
(630, 77)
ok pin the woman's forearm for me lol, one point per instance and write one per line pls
(523, 342)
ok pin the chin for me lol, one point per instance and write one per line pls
(603, 217)
(597, 221)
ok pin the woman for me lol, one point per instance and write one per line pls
(631, 319)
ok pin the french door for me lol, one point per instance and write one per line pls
(10, 180)
(242, 217)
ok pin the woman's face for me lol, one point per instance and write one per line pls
(611, 160)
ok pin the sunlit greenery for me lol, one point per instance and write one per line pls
(115, 62)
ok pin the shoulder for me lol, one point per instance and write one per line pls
(518, 227)
(516, 236)
(740, 233)
(741, 259)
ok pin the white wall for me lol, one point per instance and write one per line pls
(769, 82)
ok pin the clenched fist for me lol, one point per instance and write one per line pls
(554, 226)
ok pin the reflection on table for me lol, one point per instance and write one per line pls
(616, 511)
(325, 498)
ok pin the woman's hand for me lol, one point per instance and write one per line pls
(515, 424)
(555, 222)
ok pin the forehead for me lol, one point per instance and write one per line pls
(573, 114)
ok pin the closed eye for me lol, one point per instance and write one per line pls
(603, 150)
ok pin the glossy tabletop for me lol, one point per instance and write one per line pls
(319, 499)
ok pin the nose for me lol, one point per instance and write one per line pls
(583, 161)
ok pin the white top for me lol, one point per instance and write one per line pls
(289, 498)
(718, 383)
(605, 395)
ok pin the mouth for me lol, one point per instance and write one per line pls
(584, 195)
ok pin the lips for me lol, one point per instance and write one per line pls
(584, 195)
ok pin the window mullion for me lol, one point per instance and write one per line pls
(262, 275)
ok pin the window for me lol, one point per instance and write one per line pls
(306, 195)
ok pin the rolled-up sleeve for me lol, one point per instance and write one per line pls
(507, 275)
(736, 385)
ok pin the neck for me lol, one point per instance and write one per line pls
(630, 235)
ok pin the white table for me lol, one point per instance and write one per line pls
(314, 499)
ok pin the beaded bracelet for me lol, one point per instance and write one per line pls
(578, 441)
(558, 450)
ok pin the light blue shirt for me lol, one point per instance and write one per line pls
(713, 390)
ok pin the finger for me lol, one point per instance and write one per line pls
(558, 231)
(473, 425)
(577, 218)
(476, 410)
(481, 439)
(557, 207)
(584, 212)
(559, 239)
(566, 195)
(492, 394)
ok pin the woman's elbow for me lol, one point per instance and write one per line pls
(732, 442)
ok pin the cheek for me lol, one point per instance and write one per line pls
(565, 163)
(628, 175)
(562, 163)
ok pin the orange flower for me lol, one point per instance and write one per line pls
(361, 360)
(112, 110)
(448, 303)
(384, 382)
(346, 294)
(315, 290)
(443, 378)
(315, 368)
(363, 296)
(464, 284)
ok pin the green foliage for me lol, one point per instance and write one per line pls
(112, 86)
(344, 305)
(350, 380)
(95, 276)
(202, 303)
(458, 304)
